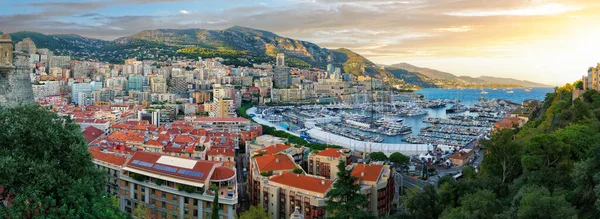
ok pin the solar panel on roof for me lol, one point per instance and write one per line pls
(165, 168)
(141, 163)
(191, 173)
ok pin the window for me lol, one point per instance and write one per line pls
(153, 192)
(164, 195)
(195, 213)
(185, 200)
(143, 198)
(164, 205)
(195, 202)
(174, 198)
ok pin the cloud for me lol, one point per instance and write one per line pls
(456, 29)
(184, 12)
(546, 9)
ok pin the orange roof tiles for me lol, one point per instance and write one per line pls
(221, 151)
(107, 157)
(92, 133)
(222, 173)
(367, 172)
(274, 162)
(331, 152)
(304, 182)
(273, 149)
(220, 119)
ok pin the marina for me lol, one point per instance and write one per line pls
(416, 121)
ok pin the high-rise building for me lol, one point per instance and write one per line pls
(280, 60)
(223, 107)
(282, 77)
(377, 183)
(59, 61)
(77, 88)
(325, 162)
(135, 82)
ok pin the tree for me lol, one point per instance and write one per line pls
(47, 168)
(468, 172)
(545, 150)
(481, 204)
(399, 158)
(344, 200)
(255, 212)
(140, 211)
(298, 171)
(424, 203)
(215, 207)
(503, 158)
(539, 203)
(378, 156)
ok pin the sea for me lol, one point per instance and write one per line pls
(467, 97)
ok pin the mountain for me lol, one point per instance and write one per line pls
(64, 44)
(244, 46)
(430, 73)
(451, 80)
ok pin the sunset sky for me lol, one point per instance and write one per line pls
(547, 41)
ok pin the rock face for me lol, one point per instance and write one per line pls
(15, 84)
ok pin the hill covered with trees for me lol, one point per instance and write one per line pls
(548, 169)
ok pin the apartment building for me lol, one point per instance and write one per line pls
(261, 167)
(173, 187)
(377, 183)
(324, 163)
(111, 162)
(282, 193)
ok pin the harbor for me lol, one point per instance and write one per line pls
(416, 121)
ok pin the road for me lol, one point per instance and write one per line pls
(240, 164)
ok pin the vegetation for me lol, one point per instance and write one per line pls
(399, 158)
(215, 206)
(378, 156)
(47, 169)
(298, 170)
(344, 199)
(547, 169)
(255, 212)
(266, 173)
(194, 52)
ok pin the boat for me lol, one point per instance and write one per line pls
(528, 89)
(510, 92)
(483, 91)
(457, 108)
(495, 89)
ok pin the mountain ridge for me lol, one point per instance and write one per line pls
(239, 46)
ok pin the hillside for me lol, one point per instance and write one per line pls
(430, 73)
(453, 80)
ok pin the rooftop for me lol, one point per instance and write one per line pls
(273, 149)
(274, 162)
(173, 166)
(108, 157)
(331, 152)
(91, 133)
(367, 172)
(220, 119)
(304, 182)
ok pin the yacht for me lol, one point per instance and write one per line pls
(528, 89)
(510, 92)
(483, 91)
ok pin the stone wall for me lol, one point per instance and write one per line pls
(15, 83)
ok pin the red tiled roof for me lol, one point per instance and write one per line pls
(300, 181)
(273, 149)
(222, 173)
(107, 157)
(371, 172)
(202, 166)
(221, 119)
(331, 152)
(153, 142)
(274, 162)
(92, 133)
(221, 151)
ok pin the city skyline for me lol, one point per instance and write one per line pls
(516, 39)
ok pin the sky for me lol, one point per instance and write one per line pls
(546, 41)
